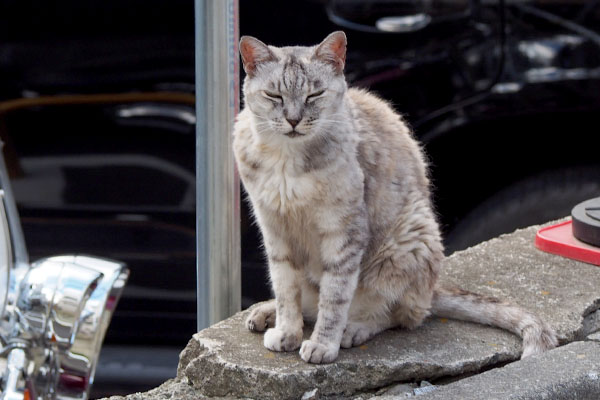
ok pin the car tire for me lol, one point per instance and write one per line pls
(537, 199)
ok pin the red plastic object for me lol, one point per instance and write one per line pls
(559, 239)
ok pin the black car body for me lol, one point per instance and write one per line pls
(97, 111)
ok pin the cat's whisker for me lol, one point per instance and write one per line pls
(331, 117)
(330, 120)
(266, 129)
(259, 117)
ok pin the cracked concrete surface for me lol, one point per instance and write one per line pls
(564, 292)
(228, 361)
(569, 372)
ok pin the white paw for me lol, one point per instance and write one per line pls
(318, 353)
(355, 334)
(279, 340)
(260, 319)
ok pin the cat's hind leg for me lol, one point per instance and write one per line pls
(372, 312)
(368, 316)
(412, 315)
(358, 332)
(262, 317)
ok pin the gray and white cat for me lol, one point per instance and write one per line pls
(340, 191)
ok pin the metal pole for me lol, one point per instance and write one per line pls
(217, 188)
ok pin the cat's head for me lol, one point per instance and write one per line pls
(294, 92)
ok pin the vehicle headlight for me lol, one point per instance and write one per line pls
(65, 305)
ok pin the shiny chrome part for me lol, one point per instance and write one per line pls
(181, 113)
(78, 363)
(16, 256)
(6, 260)
(507, 87)
(16, 365)
(56, 312)
(64, 307)
(19, 250)
(51, 299)
(404, 23)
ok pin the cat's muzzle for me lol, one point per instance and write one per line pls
(293, 134)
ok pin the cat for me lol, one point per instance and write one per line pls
(340, 190)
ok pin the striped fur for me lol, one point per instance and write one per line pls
(340, 190)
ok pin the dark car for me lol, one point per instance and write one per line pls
(97, 113)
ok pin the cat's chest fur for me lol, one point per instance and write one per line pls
(274, 176)
(283, 186)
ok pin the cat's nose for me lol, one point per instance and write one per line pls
(293, 122)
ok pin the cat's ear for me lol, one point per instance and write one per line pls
(254, 52)
(332, 50)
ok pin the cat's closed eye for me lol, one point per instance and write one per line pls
(273, 97)
(313, 96)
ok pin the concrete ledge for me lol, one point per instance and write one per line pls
(227, 361)
(562, 291)
(173, 389)
(568, 372)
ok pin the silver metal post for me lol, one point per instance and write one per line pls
(217, 188)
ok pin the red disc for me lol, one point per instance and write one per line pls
(559, 239)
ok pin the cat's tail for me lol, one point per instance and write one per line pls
(460, 304)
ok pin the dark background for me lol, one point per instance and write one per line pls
(97, 116)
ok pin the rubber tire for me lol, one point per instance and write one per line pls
(537, 199)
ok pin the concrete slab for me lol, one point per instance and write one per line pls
(564, 292)
(171, 389)
(227, 361)
(595, 337)
(568, 372)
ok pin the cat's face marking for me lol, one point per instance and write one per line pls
(294, 92)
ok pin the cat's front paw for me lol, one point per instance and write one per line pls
(280, 340)
(318, 353)
(261, 317)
